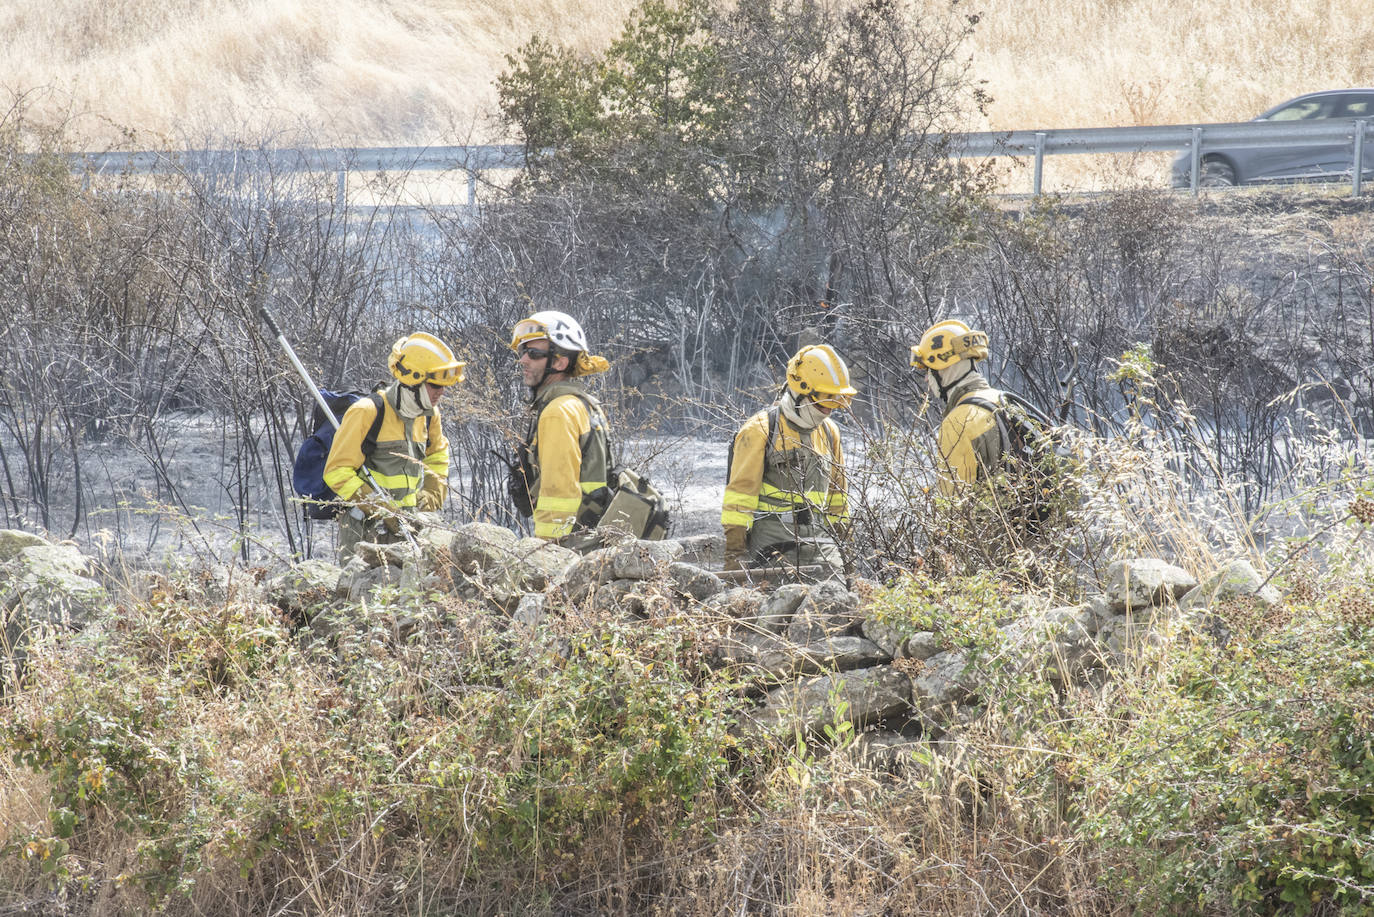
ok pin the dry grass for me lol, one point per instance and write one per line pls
(352, 71)
(421, 71)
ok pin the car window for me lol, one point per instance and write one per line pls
(1302, 111)
(1356, 107)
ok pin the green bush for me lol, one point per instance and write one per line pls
(1236, 777)
(194, 741)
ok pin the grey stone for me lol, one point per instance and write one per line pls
(306, 585)
(362, 583)
(740, 603)
(922, 646)
(530, 610)
(702, 550)
(53, 560)
(538, 562)
(643, 559)
(589, 570)
(1145, 582)
(694, 582)
(1057, 643)
(841, 654)
(621, 598)
(891, 639)
(777, 609)
(1101, 611)
(399, 554)
(946, 682)
(1237, 579)
(12, 541)
(858, 697)
(480, 546)
(43, 588)
(760, 656)
(829, 609)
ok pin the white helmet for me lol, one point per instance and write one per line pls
(560, 328)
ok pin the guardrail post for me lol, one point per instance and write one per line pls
(1195, 161)
(1357, 185)
(1039, 161)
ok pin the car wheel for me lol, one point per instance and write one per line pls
(1217, 174)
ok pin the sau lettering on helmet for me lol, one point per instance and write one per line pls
(948, 342)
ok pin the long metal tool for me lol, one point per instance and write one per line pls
(363, 470)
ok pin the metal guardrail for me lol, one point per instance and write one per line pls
(342, 161)
(1197, 138)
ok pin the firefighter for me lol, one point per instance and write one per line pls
(565, 458)
(410, 461)
(785, 499)
(970, 442)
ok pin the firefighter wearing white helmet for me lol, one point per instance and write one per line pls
(970, 443)
(564, 459)
(408, 458)
(785, 498)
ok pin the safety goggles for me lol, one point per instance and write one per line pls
(833, 402)
(527, 330)
(445, 377)
(534, 353)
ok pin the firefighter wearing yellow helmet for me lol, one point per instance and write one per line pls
(564, 459)
(970, 443)
(785, 498)
(409, 458)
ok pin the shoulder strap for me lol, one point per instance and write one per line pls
(594, 412)
(995, 409)
(1035, 413)
(832, 433)
(370, 440)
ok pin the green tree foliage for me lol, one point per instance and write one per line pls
(736, 173)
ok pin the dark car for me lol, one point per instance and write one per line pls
(1319, 162)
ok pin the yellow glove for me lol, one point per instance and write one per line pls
(736, 546)
(429, 501)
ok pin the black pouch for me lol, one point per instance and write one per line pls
(518, 480)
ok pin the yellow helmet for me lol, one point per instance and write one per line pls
(423, 357)
(817, 370)
(948, 342)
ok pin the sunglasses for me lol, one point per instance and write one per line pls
(533, 353)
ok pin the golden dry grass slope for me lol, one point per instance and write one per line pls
(421, 71)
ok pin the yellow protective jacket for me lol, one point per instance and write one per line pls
(570, 455)
(970, 441)
(775, 486)
(410, 455)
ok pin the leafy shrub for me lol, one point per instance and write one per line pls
(196, 742)
(1235, 776)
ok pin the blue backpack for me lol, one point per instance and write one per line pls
(307, 472)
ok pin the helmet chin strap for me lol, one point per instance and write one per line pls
(946, 387)
(554, 353)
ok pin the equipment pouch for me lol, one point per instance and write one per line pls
(518, 482)
(637, 508)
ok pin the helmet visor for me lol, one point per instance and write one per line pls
(446, 375)
(527, 330)
(833, 401)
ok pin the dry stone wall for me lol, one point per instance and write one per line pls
(810, 656)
